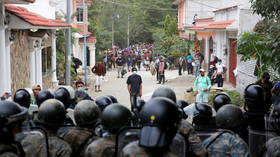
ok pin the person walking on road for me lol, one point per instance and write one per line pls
(181, 64)
(161, 69)
(120, 65)
(134, 86)
(202, 87)
(220, 71)
(99, 70)
(196, 66)
(189, 64)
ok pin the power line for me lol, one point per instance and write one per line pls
(128, 5)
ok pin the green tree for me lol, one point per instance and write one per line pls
(145, 20)
(264, 44)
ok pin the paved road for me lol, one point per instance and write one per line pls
(117, 86)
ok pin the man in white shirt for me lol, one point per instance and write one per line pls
(220, 71)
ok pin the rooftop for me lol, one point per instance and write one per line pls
(33, 18)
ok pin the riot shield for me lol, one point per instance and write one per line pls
(257, 140)
(179, 146)
(190, 111)
(126, 136)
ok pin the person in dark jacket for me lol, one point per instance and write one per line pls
(99, 70)
(120, 65)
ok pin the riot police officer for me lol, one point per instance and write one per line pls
(272, 146)
(195, 147)
(201, 115)
(254, 106)
(11, 117)
(220, 100)
(23, 98)
(226, 142)
(156, 123)
(66, 95)
(63, 94)
(43, 96)
(86, 115)
(102, 102)
(51, 116)
(113, 118)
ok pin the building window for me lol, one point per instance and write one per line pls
(80, 15)
(46, 60)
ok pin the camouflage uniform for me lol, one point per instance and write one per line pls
(227, 144)
(7, 151)
(35, 146)
(273, 147)
(134, 150)
(194, 142)
(104, 147)
(79, 139)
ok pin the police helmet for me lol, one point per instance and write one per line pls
(181, 104)
(70, 90)
(160, 118)
(165, 92)
(63, 95)
(113, 99)
(51, 113)
(203, 114)
(86, 113)
(10, 113)
(220, 100)
(115, 117)
(229, 116)
(102, 102)
(43, 96)
(254, 98)
(23, 98)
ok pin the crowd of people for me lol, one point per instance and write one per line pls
(68, 122)
(192, 63)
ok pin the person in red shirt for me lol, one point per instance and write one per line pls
(99, 70)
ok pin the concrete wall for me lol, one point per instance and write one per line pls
(20, 59)
(245, 70)
(242, 3)
(245, 74)
(226, 15)
(203, 9)
(248, 20)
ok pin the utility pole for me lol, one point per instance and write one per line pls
(68, 45)
(85, 41)
(128, 31)
(113, 29)
(113, 24)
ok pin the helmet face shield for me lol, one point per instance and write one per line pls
(199, 113)
(191, 111)
(153, 137)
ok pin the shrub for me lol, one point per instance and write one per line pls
(236, 97)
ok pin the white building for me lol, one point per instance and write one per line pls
(80, 21)
(217, 31)
(30, 46)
